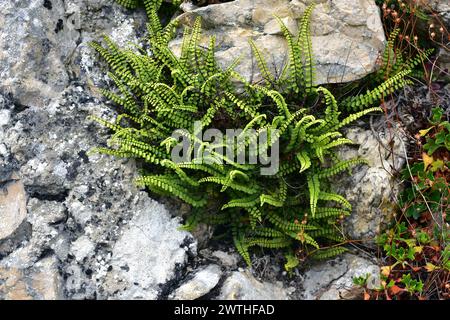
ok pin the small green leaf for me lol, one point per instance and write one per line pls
(304, 159)
(437, 165)
(436, 115)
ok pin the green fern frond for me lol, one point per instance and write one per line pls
(304, 42)
(375, 95)
(327, 212)
(355, 116)
(242, 247)
(168, 184)
(274, 243)
(305, 160)
(262, 64)
(247, 202)
(339, 167)
(268, 232)
(323, 254)
(314, 191)
(335, 197)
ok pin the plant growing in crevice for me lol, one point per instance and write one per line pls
(415, 30)
(294, 208)
(416, 250)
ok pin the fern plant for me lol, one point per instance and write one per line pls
(395, 73)
(294, 209)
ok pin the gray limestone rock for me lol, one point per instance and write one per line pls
(333, 280)
(347, 36)
(242, 285)
(201, 283)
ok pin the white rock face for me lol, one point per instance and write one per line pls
(226, 259)
(12, 207)
(148, 251)
(244, 286)
(347, 35)
(82, 248)
(202, 282)
(333, 280)
(35, 43)
(372, 188)
(4, 117)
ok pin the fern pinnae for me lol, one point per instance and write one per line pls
(339, 167)
(273, 243)
(323, 254)
(314, 190)
(355, 116)
(304, 42)
(247, 202)
(183, 176)
(329, 212)
(305, 160)
(295, 63)
(269, 199)
(169, 184)
(211, 65)
(335, 197)
(337, 143)
(262, 64)
(268, 232)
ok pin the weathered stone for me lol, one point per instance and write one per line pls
(243, 286)
(12, 207)
(203, 281)
(50, 212)
(347, 35)
(97, 18)
(226, 259)
(41, 282)
(148, 251)
(443, 62)
(4, 117)
(372, 189)
(95, 201)
(35, 44)
(40, 233)
(82, 248)
(333, 280)
(442, 8)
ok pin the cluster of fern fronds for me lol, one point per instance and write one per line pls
(160, 92)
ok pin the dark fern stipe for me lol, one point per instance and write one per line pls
(294, 210)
